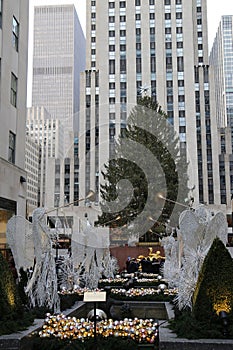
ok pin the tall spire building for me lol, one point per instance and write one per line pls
(157, 46)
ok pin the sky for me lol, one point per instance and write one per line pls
(216, 8)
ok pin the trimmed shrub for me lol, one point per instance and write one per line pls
(214, 289)
(10, 303)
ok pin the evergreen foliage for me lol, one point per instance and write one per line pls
(214, 290)
(14, 313)
(110, 343)
(147, 130)
(10, 303)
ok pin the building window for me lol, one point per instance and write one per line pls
(13, 89)
(112, 5)
(122, 33)
(111, 48)
(15, 31)
(123, 66)
(137, 2)
(11, 150)
(97, 79)
(137, 16)
(111, 66)
(123, 85)
(111, 33)
(180, 64)
(152, 65)
(88, 79)
(111, 19)
(88, 101)
(1, 13)
(151, 2)
(122, 18)
(122, 4)
(138, 65)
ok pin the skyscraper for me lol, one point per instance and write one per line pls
(221, 57)
(58, 59)
(155, 46)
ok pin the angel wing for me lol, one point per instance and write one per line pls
(20, 240)
(190, 229)
(217, 227)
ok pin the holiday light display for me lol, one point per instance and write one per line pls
(62, 327)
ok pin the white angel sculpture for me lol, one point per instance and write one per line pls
(185, 256)
(91, 255)
(31, 246)
(42, 286)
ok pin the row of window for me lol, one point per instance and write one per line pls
(138, 3)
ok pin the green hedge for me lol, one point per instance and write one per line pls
(110, 343)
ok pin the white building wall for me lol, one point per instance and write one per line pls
(12, 191)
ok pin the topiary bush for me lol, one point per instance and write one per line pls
(214, 289)
(10, 303)
(15, 313)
